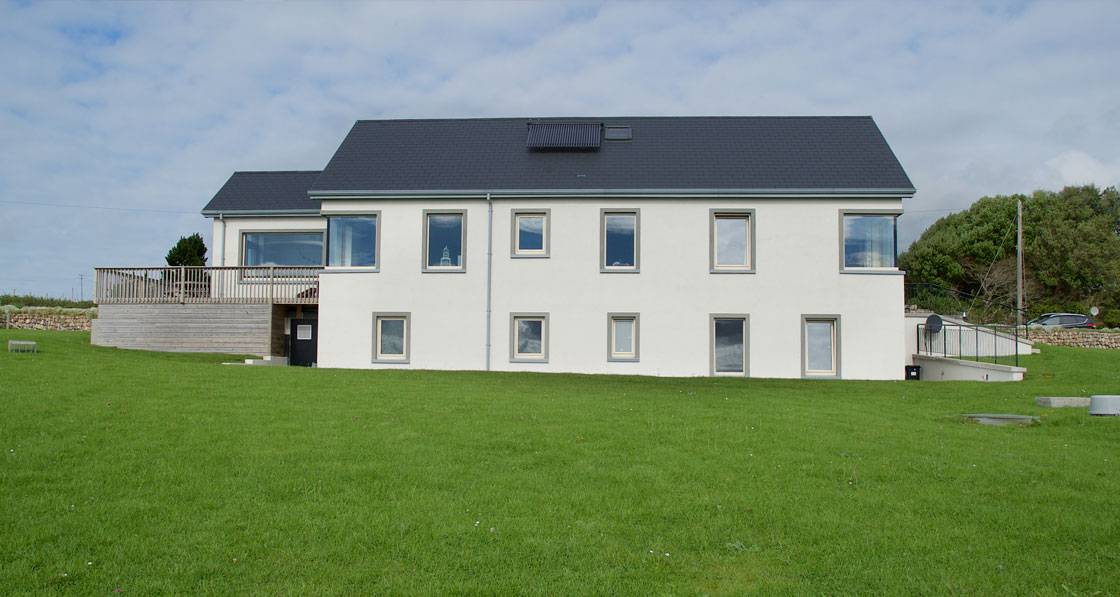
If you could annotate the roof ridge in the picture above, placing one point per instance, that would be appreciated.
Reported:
(534, 118)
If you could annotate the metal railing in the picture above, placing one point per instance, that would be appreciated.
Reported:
(992, 343)
(201, 285)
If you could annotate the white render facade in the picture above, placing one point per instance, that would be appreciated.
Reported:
(795, 272)
(695, 246)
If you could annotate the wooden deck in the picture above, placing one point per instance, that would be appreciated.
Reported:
(265, 285)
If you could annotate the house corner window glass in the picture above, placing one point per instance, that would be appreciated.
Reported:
(870, 240)
(390, 337)
(731, 241)
(352, 241)
(623, 337)
(530, 337)
(283, 248)
(620, 241)
(729, 345)
(444, 241)
(820, 347)
(530, 234)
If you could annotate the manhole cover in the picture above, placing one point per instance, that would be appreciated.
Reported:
(1000, 419)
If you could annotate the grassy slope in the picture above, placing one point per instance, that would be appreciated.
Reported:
(171, 473)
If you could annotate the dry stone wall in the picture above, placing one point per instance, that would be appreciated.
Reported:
(1079, 337)
(46, 318)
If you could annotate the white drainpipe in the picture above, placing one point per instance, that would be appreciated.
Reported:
(222, 244)
(489, 269)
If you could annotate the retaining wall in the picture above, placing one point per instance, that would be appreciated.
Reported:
(1078, 337)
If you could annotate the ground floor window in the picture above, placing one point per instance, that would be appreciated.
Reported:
(820, 352)
(622, 337)
(529, 337)
(391, 337)
(729, 344)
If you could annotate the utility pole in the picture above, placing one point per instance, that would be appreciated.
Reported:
(1019, 263)
(81, 287)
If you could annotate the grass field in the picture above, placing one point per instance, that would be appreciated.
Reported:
(158, 473)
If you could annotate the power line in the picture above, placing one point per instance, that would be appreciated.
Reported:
(75, 206)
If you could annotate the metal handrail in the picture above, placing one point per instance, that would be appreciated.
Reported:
(207, 285)
(984, 341)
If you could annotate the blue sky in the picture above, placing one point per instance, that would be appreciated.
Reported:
(133, 115)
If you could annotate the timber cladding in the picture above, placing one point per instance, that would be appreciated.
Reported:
(234, 329)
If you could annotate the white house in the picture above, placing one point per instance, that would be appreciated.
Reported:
(739, 246)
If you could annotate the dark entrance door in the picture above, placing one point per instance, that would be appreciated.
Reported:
(304, 341)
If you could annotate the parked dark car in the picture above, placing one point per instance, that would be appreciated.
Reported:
(1062, 320)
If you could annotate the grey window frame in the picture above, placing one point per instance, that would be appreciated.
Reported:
(603, 213)
(515, 251)
(321, 231)
(424, 267)
(836, 351)
(746, 318)
(546, 337)
(376, 355)
(713, 267)
(612, 357)
(889, 271)
(376, 267)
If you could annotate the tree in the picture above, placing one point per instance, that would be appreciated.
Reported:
(190, 250)
(1071, 250)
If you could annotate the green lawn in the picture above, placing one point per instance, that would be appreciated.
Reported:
(160, 473)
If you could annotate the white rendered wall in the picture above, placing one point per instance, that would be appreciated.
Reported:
(797, 262)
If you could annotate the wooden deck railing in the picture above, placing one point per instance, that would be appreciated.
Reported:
(197, 285)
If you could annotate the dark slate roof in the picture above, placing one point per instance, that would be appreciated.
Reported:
(687, 154)
(282, 191)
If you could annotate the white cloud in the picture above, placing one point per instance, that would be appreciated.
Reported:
(1077, 167)
(154, 105)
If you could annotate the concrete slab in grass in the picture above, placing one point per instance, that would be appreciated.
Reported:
(1062, 401)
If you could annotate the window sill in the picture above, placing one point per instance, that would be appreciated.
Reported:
(723, 270)
(390, 361)
(886, 271)
(825, 376)
(528, 360)
(606, 270)
(431, 270)
(623, 360)
(528, 256)
(340, 269)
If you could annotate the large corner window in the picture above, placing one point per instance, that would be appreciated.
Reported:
(622, 336)
(619, 241)
(729, 344)
(528, 337)
(445, 240)
(352, 241)
(820, 336)
(732, 236)
(293, 249)
(869, 240)
(530, 233)
(390, 337)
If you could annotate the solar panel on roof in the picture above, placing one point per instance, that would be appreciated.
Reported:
(572, 136)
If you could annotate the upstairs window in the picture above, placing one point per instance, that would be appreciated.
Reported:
(732, 236)
(869, 241)
(445, 235)
(296, 249)
(530, 233)
(619, 241)
(352, 241)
